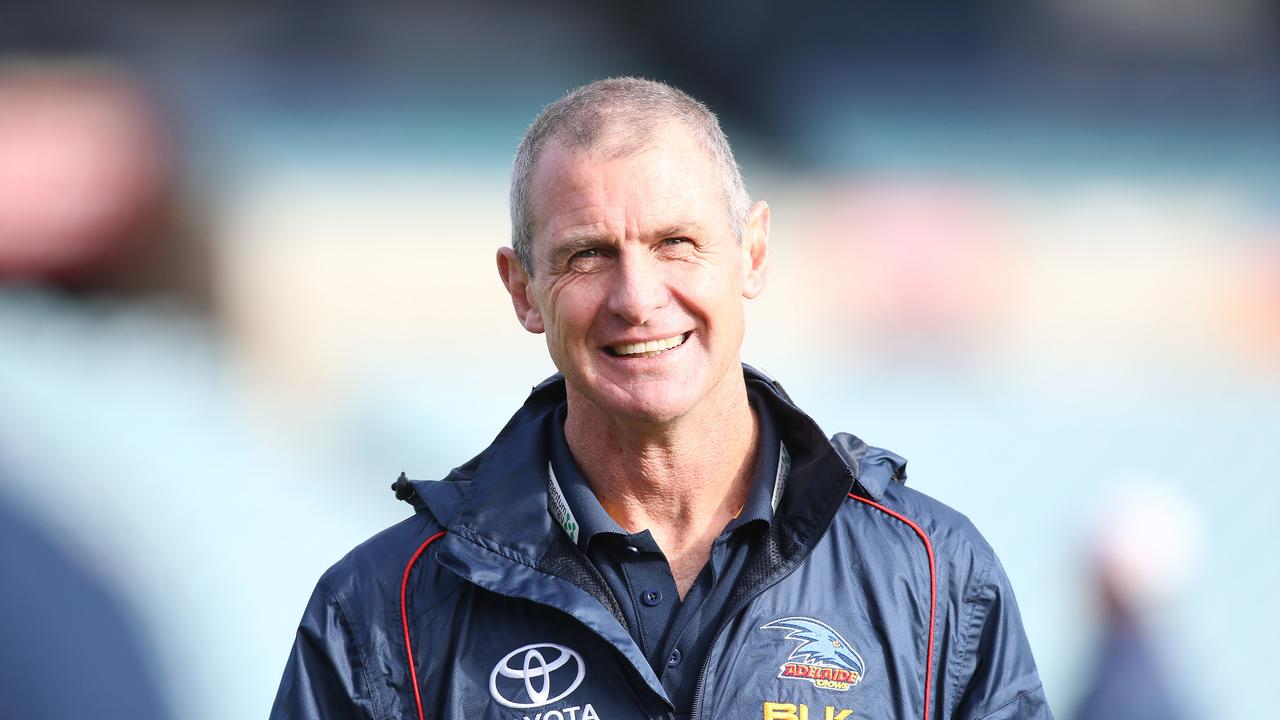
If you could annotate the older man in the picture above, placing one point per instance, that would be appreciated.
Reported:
(658, 532)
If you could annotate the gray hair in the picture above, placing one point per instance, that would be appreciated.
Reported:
(625, 112)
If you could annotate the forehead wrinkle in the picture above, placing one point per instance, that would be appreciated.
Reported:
(588, 218)
(682, 208)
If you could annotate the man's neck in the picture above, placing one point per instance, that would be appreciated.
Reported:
(683, 481)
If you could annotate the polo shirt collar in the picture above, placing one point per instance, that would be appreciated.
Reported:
(571, 501)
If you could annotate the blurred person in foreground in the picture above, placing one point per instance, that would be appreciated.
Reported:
(69, 650)
(659, 531)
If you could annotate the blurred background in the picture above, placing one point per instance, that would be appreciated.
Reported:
(246, 278)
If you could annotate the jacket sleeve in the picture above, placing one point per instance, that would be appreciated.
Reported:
(325, 676)
(1003, 682)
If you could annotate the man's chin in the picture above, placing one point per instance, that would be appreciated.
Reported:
(655, 402)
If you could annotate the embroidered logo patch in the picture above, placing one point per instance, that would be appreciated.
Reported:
(559, 507)
(536, 675)
(821, 655)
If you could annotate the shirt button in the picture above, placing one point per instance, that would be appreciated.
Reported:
(651, 597)
(632, 550)
(674, 660)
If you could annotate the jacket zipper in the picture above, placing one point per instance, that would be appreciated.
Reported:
(706, 664)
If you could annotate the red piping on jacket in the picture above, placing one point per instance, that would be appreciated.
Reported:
(404, 618)
(933, 603)
(933, 591)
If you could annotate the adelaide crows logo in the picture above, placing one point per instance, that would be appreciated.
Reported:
(822, 656)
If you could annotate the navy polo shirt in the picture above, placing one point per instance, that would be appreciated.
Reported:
(674, 635)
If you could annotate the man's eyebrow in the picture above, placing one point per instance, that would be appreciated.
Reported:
(578, 238)
(572, 242)
(676, 230)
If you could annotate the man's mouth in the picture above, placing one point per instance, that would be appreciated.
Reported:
(648, 349)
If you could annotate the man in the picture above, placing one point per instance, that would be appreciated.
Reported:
(659, 532)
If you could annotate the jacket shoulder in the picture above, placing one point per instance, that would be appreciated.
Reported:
(950, 531)
(990, 670)
(375, 565)
(333, 669)
(881, 482)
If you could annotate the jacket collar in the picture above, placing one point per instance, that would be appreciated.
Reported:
(506, 503)
(509, 472)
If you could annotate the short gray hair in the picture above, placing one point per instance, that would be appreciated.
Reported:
(625, 112)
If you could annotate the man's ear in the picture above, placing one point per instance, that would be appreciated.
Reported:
(517, 283)
(755, 250)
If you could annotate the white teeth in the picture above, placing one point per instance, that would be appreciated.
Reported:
(650, 348)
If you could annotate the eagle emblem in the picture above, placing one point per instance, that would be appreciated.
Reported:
(821, 656)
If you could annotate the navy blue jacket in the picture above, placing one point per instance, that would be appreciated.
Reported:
(865, 599)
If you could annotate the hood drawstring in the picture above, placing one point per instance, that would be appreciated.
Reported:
(402, 486)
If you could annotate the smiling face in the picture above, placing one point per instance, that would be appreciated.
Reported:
(638, 279)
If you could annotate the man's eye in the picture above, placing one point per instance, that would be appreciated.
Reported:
(588, 259)
(675, 240)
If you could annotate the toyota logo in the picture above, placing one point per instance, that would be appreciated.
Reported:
(542, 667)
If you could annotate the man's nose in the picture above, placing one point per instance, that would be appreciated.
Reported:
(639, 288)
